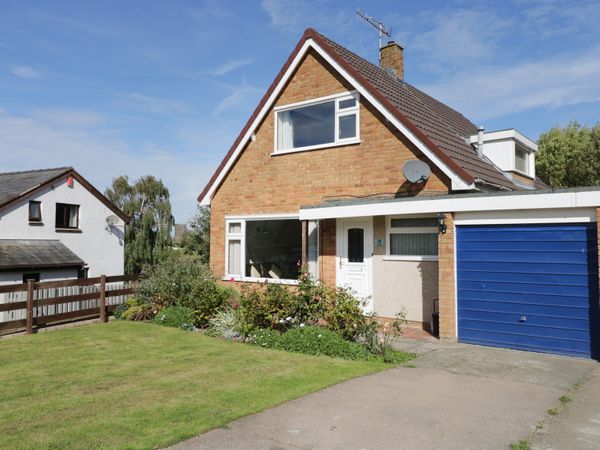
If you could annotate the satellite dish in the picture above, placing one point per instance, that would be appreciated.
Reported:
(112, 220)
(416, 171)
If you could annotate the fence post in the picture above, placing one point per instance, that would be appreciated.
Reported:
(102, 298)
(29, 316)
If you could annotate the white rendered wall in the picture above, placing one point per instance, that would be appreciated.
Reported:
(102, 250)
(45, 275)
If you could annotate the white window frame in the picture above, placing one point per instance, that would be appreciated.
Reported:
(338, 114)
(242, 238)
(389, 230)
(529, 161)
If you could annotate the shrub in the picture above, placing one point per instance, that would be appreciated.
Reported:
(181, 280)
(176, 317)
(134, 309)
(224, 324)
(266, 306)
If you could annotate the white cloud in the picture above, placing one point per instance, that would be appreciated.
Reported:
(25, 72)
(227, 67)
(240, 96)
(154, 105)
(493, 92)
(31, 142)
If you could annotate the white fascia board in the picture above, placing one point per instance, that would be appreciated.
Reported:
(571, 215)
(479, 203)
(457, 182)
(502, 135)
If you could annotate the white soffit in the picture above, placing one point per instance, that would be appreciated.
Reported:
(552, 201)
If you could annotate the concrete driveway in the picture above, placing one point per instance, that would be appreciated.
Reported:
(454, 397)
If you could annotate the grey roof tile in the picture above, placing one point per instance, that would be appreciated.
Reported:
(36, 253)
(15, 184)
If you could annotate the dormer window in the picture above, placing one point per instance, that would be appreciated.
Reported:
(522, 160)
(325, 122)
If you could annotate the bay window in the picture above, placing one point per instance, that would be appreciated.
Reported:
(412, 238)
(321, 123)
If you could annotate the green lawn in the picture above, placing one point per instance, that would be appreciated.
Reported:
(135, 385)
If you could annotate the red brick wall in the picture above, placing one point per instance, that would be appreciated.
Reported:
(263, 184)
(447, 292)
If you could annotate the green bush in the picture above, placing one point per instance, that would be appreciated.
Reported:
(181, 280)
(134, 309)
(224, 324)
(176, 317)
(282, 307)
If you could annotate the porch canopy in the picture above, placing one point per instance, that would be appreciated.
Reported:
(518, 201)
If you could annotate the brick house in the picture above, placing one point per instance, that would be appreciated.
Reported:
(375, 185)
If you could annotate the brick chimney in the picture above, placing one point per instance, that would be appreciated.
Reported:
(391, 59)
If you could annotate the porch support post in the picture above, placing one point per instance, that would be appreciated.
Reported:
(447, 280)
(304, 243)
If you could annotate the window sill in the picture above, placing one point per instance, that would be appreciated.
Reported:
(523, 174)
(410, 258)
(316, 147)
(238, 279)
(34, 223)
(67, 230)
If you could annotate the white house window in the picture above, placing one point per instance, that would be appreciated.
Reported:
(67, 216)
(317, 124)
(522, 160)
(412, 238)
(263, 249)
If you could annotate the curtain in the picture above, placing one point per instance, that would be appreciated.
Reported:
(285, 138)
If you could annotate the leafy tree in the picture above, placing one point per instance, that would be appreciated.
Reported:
(197, 239)
(570, 156)
(148, 234)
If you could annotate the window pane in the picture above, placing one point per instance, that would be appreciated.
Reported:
(67, 216)
(347, 126)
(35, 211)
(313, 249)
(350, 103)
(521, 160)
(309, 125)
(234, 257)
(415, 244)
(235, 228)
(427, 222)
(356, 245)
(273, 248)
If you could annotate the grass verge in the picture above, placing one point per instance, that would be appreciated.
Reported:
(135, 385)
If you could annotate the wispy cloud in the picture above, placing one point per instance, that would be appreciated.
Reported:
(102, 156)
(155, 105)
(227, 67)
(68, 118)
(240, 96)
(492, 92)
(26, 72)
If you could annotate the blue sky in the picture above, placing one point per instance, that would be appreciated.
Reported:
(163, 88)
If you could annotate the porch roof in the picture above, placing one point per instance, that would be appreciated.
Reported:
(580, 197)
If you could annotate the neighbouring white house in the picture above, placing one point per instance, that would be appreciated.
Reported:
(55, 225)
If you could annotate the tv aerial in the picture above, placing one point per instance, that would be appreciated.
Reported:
(416, 171)
(377, 24)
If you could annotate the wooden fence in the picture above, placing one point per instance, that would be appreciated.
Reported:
(34, 305)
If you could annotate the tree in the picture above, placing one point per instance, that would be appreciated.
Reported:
(148, 234)
(197, 240)
(569, 156)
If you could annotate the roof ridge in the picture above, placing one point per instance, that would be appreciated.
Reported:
(65, 168)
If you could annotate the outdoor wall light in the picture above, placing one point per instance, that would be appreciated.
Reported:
(441, 218)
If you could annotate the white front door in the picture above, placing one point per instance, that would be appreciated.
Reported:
(355, 257)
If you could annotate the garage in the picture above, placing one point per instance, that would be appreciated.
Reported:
(529, 287)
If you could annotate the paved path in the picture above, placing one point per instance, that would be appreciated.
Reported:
(577, 426)
(456, 397)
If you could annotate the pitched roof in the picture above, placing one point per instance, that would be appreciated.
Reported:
(15, 185)
(442, 129)
(36, 254)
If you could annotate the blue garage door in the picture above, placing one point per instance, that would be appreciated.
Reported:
(529, 287)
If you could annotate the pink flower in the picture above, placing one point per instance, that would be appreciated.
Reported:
(232, 280)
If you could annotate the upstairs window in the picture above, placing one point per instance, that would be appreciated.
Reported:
(67, 216)
(522, 160)
(35, 211)
(317, 124)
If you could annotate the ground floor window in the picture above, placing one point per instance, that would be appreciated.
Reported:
(263, 248)
(413, 237)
